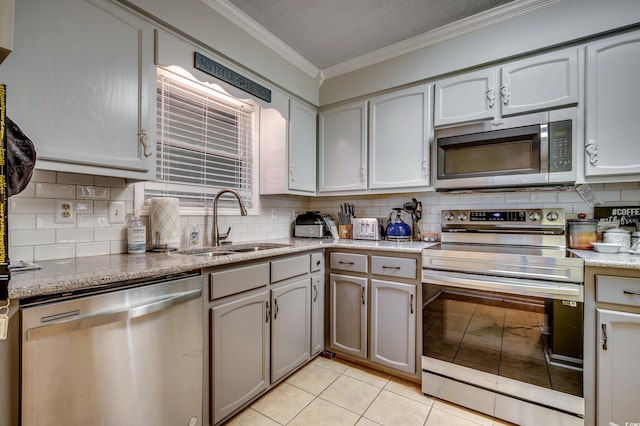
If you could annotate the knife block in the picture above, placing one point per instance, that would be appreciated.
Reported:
(345, 231)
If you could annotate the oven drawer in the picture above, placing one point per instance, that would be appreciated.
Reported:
(394, 266)
(349, 262)
(619, 290)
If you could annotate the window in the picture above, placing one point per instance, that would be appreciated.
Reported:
(204, 144)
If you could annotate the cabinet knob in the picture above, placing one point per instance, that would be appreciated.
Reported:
(505, 91)
(144, 140)
(491, 97)
(592, 151)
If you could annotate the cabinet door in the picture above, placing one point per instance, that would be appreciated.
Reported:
(541, 82)
(618, 375)
(290, 326)
(302, 147)
(348, 314)
(81, 85)
(342, 150)
(613, 90)
(317, 313)
(240, 352)
(393, 325)
(399, 130)
(468, 97)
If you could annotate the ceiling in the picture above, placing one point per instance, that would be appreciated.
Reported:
(335, 36)
(327, 32)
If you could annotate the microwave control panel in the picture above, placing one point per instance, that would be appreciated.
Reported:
(560, 141)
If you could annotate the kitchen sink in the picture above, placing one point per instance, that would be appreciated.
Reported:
(226, 250)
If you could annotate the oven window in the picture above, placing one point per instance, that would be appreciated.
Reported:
(504, 336)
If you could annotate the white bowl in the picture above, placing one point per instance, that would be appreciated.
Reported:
(607, 247)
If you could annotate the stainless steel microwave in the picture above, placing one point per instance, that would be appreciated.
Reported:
(533, 150)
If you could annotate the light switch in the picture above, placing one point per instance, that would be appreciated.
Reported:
(116, 212)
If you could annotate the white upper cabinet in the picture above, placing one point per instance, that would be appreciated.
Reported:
(377, 145)
(612, 147)
(466, 97)
(342, 150)
(302, 147)
(541, 82)
(288, 149)
(399, 131)
(81, 85)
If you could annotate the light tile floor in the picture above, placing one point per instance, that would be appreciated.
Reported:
(337, 392)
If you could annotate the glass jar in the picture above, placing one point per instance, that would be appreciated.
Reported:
(582, 232)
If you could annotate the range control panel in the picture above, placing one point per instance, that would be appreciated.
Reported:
(504, 217)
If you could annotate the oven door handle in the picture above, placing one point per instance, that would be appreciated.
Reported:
(546, 289)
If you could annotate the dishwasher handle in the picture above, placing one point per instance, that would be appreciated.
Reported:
(90, 321)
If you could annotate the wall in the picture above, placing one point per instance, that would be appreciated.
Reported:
(35, 236)
(433, 202)
(561, 22)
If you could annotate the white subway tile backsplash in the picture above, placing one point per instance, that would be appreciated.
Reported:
(122, 194)
(67, 236)
(110, 234)
(84, 207)
(32, 237)
(92, 221)
(90, 192)
(22, 221)
(632, 195)
(43, 176)
(52, 190)
(54, 252)
(47, 221)
(21, 253)
(30, 205)
(112, 182)
(93, 249)
(74, 178)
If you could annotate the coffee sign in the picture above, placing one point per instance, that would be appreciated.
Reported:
(627, 216)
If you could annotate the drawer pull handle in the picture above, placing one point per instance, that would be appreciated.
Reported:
(363, 302)
(411, 304)
(275, 314)
(345, 263)
(315, 293)
(390, 267)
(604, 336)
(268, 312)
(635, 293)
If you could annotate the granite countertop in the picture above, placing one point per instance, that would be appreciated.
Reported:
(609, 260)
(84, 272)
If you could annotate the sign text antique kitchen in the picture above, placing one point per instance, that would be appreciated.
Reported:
(225, 74)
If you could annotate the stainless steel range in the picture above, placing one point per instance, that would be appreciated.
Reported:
(503, 316)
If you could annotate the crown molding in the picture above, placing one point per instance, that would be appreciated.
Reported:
(244, 21)
(473, 23)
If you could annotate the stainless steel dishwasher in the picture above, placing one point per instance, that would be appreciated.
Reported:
(112, 357)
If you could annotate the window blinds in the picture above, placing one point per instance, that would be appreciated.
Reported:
(204, 143)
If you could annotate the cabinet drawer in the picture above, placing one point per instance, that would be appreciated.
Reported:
(349, 262)
(236, 280)
(620, 290)
(317, 261)
(289, 267)
(394, 266)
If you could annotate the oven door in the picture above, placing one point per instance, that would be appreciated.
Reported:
(508, 347)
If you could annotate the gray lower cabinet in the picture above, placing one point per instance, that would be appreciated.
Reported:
(348, 310)
(371, 318)
(317, 313)
(240, 352)
(290, 326)
(260, 327)
(393, 325)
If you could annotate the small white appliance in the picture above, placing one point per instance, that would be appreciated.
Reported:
(366, 229)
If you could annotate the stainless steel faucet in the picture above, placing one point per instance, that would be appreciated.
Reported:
(216, 237)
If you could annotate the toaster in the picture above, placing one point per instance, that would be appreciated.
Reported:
(366, 229)
(314, 224)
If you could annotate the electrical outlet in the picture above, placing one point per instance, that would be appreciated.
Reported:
(116, 212)
(64, 211)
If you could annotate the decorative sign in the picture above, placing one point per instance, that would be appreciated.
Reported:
(627, 216)
(217, 70)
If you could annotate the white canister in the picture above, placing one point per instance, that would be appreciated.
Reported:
(618, 236)
(635, 240)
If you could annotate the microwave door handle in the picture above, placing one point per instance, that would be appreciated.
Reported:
(90, 321)
(504, 285)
